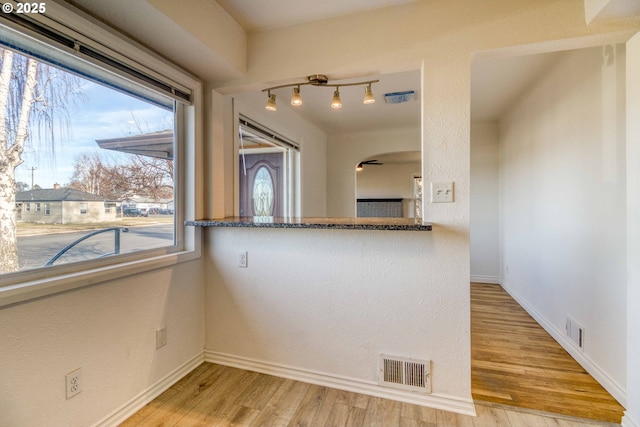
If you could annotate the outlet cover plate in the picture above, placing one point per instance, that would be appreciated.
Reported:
(442, 192)
(161, 337)
(243, 259)
(73, 381)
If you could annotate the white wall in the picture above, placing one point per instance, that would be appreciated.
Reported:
(392, 180)
(108, 330)
(563, 212)
(323, 304)
(345, 151)
(485, 246)
(632, 416)
(440, 37)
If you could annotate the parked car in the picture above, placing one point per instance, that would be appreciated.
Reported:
(135, 212)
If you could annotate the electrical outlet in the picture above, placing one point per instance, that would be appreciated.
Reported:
(161, 337)
(242, 260)
(74, 383)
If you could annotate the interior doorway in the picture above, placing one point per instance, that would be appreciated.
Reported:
(526, 234)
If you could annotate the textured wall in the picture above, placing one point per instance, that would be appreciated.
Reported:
(330, 301)
(108, 330)
(485, 223)
(440, 37)
(563, 203)
(632, 416)
(391, 180)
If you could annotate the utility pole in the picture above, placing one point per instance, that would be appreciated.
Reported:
(32, 169)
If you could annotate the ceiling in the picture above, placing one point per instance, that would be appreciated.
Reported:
(495, 82)
(255, 15)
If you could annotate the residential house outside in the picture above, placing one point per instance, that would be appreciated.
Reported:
(158, 145)
(148, 205)
(62, 205)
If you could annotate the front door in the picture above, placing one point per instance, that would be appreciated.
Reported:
(262, 185)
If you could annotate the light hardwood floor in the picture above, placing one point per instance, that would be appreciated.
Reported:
(516, 362)
(215, 395)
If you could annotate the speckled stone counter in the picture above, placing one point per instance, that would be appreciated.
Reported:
(399, 224)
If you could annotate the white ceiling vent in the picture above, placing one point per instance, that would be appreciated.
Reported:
(405, 373)
(399, 97)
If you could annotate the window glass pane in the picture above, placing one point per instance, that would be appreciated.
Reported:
(97, 164)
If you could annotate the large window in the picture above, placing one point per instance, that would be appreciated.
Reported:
(104, 143)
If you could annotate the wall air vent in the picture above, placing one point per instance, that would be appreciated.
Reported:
(405, 373)
(575, 332)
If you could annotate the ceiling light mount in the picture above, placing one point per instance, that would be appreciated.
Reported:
(319, 80)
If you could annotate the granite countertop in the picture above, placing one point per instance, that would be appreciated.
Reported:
(401, 224)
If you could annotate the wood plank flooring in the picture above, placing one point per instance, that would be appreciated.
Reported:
(215, 395)
(516, 362)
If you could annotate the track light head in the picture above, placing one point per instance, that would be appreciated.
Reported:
(359, 167)
(271, 103)
(296, 99)
(336, 102)
(368, 95)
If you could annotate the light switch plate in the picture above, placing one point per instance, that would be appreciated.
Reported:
(441, 192)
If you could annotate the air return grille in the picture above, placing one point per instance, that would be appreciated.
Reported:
(404, 373)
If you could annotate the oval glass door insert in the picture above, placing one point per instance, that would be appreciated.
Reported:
(263, 193)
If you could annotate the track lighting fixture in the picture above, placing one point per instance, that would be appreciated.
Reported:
(319, 80)
(368, 95)
(359, 167)
(271, 103)
(295, 98)
(336, 102)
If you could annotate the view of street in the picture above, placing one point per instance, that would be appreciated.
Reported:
(36, 249)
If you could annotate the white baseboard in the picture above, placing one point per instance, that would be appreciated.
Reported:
(628, 422)
(492, 280)
(138, 402)
(444, 402)
(589, 365)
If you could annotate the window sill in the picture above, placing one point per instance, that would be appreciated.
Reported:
(38, 288)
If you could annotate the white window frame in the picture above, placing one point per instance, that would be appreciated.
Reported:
(25, 285)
